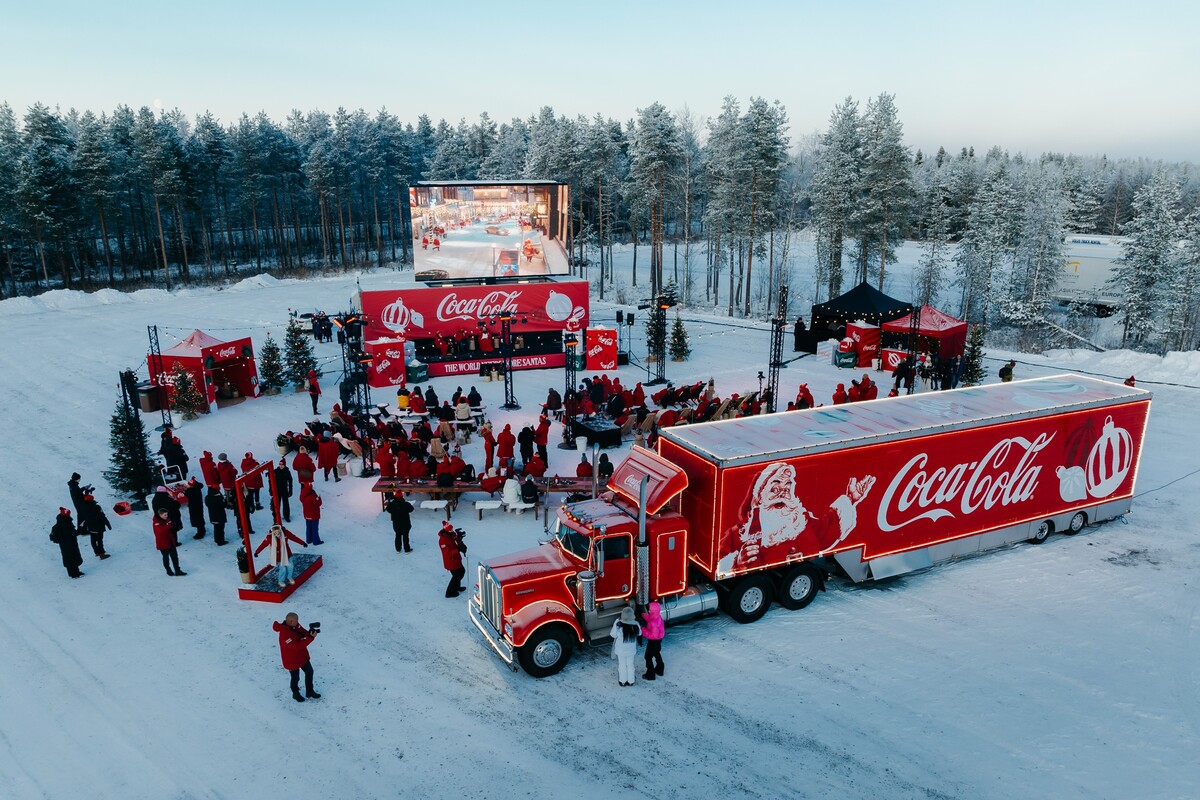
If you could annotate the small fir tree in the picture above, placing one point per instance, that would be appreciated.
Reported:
(680, 349)
(656, 331)
(187, 398)
(272, 376)
(129, 470)
(298, 354)
(973, 372)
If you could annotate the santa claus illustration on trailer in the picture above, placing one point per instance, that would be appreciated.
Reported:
(777, 526)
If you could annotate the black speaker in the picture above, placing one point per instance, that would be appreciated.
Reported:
(629, 318)
(620, 317)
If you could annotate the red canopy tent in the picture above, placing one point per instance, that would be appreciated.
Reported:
(937, 332)
(220, 367)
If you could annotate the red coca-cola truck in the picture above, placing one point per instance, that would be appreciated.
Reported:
(739, 513)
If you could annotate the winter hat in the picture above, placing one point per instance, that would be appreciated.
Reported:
(653, 609)
(222, 457)
(161, 490)
(207, 454)
(64, 512)
(627, 615)
(249, 455)
(283, 462)
(75, 476)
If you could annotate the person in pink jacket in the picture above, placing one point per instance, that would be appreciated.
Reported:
(653, 631)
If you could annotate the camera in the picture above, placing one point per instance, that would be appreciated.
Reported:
(89, 489)
(314, 628)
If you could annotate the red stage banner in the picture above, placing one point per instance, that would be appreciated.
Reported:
(893, 358)
(438, 369)
(601, 344)
(866, 341)
(425, 312)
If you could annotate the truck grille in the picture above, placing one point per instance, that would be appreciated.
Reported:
(490, 600)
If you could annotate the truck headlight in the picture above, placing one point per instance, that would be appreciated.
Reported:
(508, 630)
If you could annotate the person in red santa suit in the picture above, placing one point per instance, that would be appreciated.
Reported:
(227, 473)
(541, 438)
(777, 526)
(506, 443)
(327, 457)
(208, 468)
(304, 466)
(839, 395)
(385, 460)
(451, 543)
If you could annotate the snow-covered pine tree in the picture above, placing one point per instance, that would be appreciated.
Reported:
(656, 330)
(129, 471)
(680, 349)
(1038, 257)
(986, 241)
(1152, 261)
(297, 354)
(655, 154)
(883, 210)
(270, 362)
(835, 185)
(764, 126)
(186, 398)
(973, 370)
(931, 269)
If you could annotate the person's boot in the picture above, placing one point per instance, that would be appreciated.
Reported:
(179, 573)
(171, 573)
(102, 556)
(648, 676)
(659, 669)
(297, 697)
(199, 535)
(312, 694)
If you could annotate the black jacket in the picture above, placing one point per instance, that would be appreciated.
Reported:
(195, 498)
(66, 537)
(283, 481)
(215, 502)
(399, 509)
(92, 518)
(76, 493)
(163, 500)
(529, 492)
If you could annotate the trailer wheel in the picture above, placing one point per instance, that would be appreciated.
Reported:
(1077, 523)
(799, 586)
(748, 599)
(547, 651)
(1042, 533)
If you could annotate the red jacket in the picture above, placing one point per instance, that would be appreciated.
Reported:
(227, 472)
(536, 467)
(541, 434)
(505, 443)
(839, 395)
(293, 645)
(583, 470)
(327, 454)
(416, 404)
(209, 469)
(313, 386)
(256, 481)
(164, 534)
(457, 465)
(304, 466)
(452, 549)
(417, 468)
(283, 551)
(311, 501)
(386, 461)
(400, 467)
(444, 467)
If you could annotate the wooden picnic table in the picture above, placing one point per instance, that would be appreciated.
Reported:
(551, 485)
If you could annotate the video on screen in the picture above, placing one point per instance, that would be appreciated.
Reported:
(488, 230)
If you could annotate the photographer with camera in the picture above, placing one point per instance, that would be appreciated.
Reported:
(450, 540)
(294, 640)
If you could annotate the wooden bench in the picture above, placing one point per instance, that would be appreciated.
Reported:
(437, 505)
(486, 505)
(520, 507)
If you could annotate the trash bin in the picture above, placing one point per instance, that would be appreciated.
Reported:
(416, 372)
(148, 396)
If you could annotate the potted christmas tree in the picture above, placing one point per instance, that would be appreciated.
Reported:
(271, 361)
(243, 565)
(298, 355)
(187, 399)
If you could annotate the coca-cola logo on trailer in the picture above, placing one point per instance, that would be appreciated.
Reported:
(1007, 474)
(451, 307)
(226, 352)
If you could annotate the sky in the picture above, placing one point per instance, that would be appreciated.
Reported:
(1089, 78)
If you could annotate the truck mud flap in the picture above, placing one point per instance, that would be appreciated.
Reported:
(900, 563)
(852, 564)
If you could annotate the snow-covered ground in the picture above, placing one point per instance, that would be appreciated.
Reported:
(1067, 670)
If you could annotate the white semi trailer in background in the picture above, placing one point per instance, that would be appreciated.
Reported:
(1089, 264)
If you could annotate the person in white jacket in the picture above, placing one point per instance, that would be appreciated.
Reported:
(280, 552)
(624, 645)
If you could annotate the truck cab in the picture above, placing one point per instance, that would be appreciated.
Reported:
(624, 547)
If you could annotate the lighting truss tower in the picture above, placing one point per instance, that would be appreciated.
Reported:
(778, 326)
(156, 367)
(570, 381)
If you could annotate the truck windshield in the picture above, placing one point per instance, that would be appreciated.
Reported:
(572, 542)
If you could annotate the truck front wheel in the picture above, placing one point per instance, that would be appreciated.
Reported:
(748, 599)
(547, 651)
(799, 586)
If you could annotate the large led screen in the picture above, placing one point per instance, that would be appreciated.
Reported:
(488, 230)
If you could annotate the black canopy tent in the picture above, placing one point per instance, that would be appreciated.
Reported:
(863, 302)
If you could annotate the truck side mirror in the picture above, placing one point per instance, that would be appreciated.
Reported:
(598, 549)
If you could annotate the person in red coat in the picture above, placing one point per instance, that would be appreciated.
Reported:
(489, 445)
(254, 483)
(536, 466)
(541, 436)
(457, 465)
(417, 469)
(416, 403)
(311, 502)
(855, 392)
(584, 468)
(453, 548)
(385, 460)
(294, 640)
(164, 542)
(505, 443)
(804, 398)
(314, 389)
(304, 466)
(639, 394)
(208, 468)
(327, 457)
(402, 462)
(839, 395)
(870, 389)
(227, 473)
